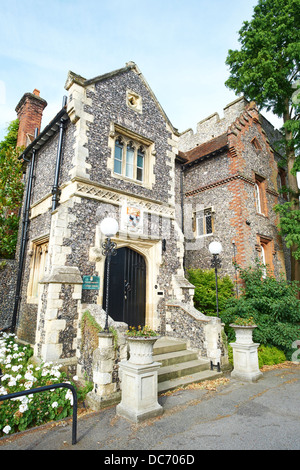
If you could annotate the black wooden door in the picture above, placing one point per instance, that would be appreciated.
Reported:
(127, 287)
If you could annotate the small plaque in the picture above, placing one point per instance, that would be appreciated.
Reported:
(91, 282)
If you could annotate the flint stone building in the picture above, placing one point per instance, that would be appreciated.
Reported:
(112, 151)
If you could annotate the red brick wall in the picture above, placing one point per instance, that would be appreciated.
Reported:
(29, 110)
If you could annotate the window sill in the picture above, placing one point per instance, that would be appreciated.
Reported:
(262, 215)
(205, 235)
(129, 180)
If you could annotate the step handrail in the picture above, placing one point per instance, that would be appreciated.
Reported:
(51, 387)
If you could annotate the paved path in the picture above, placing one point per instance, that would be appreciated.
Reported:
(237, 416)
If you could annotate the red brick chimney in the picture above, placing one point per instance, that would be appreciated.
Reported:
(29, 110)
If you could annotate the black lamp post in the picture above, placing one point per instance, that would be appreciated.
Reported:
(109, 228)
(215, 249)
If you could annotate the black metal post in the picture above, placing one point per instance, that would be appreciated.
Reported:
(55, 188)
(50, 387)
(216, 263)
(25, 223)
(109, 250)
(217, 296)
(235, 268)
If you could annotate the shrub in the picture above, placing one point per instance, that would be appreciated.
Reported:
(274, 306)
(205, 290)
(267, 355)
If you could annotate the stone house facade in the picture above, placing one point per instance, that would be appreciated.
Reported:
(112, 151)
(230, 178)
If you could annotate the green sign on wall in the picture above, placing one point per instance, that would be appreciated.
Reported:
(91, 282)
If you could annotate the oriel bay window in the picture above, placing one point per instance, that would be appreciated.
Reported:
(129, 159)
(133, 156)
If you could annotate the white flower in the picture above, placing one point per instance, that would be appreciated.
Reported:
(15, 368)
(12, 382)
(29, 376)
(23, 408)
(54, 404)
(56, 374)
(6, 429)
(75, 378)
(69, 396)
(28, 385)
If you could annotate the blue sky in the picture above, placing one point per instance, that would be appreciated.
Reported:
(179, 46)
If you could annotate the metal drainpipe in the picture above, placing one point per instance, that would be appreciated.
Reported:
(25, 223)
(55, 188)
(182, 206)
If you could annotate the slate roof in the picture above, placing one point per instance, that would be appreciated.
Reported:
(210, 148)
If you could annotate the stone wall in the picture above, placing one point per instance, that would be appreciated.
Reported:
(212, 126)
(8, 279)
(108, 106)
(203, 333)
(226, 183)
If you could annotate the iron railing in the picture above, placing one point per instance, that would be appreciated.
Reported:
(51, 387)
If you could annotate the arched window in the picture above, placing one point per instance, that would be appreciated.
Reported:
(133, 156)
(118, 162)
(263, 260)
(260, 195)
(257, 198)
(130, 160)
(140, 164)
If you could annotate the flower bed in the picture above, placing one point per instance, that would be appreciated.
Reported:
(18, 374)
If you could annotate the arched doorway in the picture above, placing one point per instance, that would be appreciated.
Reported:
(127, 287)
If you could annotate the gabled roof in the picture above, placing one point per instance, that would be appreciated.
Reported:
(72, 77)
(208, 149)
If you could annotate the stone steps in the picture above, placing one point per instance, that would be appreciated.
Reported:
(179, 366)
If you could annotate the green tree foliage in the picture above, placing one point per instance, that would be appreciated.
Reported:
(266, 69)
(205, 290)
(11, 191)
(289, 226)
(267, 64)
(272, 303)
